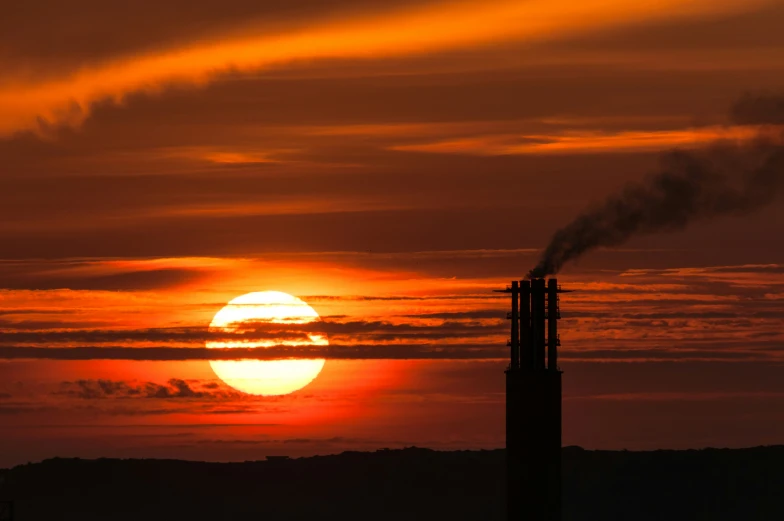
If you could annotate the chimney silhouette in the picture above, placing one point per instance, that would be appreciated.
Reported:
(533, 403)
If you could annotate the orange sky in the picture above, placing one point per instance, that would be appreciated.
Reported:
(412, 31)
(391, 167)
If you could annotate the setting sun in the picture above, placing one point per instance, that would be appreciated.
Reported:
(258, 377)
(535, 240)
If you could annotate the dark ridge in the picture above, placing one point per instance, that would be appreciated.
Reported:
(411, 484)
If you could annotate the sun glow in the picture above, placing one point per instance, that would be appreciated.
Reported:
(267, 378)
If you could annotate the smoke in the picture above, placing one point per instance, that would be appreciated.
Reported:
(723, 179)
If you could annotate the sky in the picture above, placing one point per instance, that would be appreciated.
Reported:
(391, 164)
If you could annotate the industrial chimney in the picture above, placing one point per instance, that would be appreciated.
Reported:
(533, 403)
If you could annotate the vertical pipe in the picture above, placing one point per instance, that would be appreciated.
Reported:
(534, 330)
(538, 320)
(552, 325)
(515, 343)
(513, 416)
(526, 351)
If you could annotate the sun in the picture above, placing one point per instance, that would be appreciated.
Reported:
(259, 377)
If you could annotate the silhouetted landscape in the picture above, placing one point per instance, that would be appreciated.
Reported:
(413, 483)
(234, 230)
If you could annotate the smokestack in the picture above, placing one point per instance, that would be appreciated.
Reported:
(533, 404)
(526, 349)
(538, 322)
(515, 406)
(514, 343)
(553, 314)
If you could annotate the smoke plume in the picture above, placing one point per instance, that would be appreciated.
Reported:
(723, 179)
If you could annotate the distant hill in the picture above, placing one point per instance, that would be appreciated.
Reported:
(408, 484)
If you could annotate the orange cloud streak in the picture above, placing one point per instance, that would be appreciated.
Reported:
(443, 26)
(583, 142)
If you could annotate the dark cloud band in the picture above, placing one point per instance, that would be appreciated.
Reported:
(466, 351)
(368, 352)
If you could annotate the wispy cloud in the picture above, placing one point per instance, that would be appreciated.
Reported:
(175, 388)
(711, 312)
(582, 142)
(353, 352)
(67, 99)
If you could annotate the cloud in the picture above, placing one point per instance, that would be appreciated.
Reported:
(258, 331)
(759, 109)
(402, 298)
(129, 281)
(668, 396)
(767, 349)
(680, 354)
(91, 30)
(477, 314)
(67, 99)
(117, 389)
(14, 409)
(353, 352)
(107, 274)
(582, 142)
